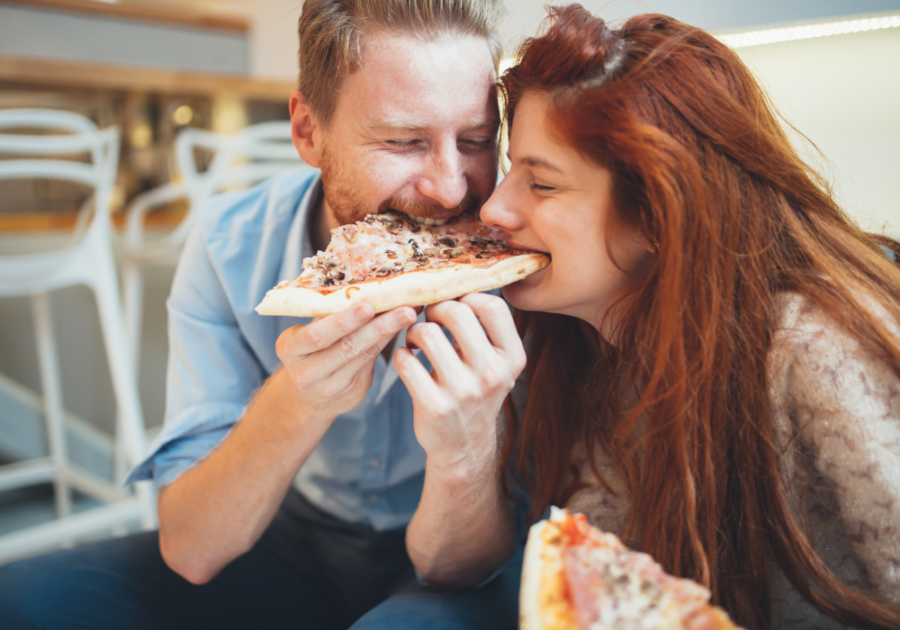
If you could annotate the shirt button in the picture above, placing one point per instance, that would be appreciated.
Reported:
(375, 463)
(373, 498)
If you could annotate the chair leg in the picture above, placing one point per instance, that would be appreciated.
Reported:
(134, 304)
(130, 422)
(53, 405)
(133, 289)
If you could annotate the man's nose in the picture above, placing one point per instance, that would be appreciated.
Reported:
(444, 181)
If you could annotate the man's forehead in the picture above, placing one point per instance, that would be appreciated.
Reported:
(404, 81)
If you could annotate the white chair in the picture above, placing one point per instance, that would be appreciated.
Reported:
(244, 159)
(89, 261)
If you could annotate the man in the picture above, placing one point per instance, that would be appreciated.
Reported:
(295, 516)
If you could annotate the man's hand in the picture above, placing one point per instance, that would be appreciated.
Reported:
(462, 530)
(218, 509)
(331, 361)
(457, 405)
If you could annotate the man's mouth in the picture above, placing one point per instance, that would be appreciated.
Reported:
(430, 214)
(427, 222)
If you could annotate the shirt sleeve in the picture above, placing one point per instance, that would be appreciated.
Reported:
(846, 410)
(212, 372)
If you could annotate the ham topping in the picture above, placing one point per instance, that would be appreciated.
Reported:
(384, 245)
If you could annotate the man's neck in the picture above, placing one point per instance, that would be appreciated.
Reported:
(321, 224)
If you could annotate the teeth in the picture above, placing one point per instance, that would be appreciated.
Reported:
(429, 222)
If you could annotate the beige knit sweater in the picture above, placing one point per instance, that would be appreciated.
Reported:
(837, 416)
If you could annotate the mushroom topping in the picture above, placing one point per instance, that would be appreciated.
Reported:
(449, 241)
(391, 254)
(430, 252)
(453, 253)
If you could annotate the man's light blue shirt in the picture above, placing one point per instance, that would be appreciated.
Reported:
(368, 468)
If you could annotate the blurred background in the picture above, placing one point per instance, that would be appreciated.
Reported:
(156, 68)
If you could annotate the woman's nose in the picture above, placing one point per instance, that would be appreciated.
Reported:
(500, 211)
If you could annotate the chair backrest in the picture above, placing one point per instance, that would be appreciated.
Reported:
(72, 135)
(244, 159)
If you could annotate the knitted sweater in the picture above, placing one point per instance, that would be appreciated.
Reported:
(837, 421)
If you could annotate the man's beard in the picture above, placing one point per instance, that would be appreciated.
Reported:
(348, 204)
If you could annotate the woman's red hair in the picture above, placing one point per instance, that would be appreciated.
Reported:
(701, 167)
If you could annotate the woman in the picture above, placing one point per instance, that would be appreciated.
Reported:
(714, 356)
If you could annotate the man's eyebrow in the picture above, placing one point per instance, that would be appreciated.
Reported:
(395, 125)
(536, 162)
(409, 125)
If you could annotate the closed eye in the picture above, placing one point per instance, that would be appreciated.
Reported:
(402, 144)
(480, 144)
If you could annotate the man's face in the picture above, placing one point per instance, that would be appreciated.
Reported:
(415, 130)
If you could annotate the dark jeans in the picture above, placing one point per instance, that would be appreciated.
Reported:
(309, 570)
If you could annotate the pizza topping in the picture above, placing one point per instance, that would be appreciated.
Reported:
(612, 586)
(387, 244)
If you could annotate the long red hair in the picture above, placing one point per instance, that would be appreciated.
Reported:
(702, 168)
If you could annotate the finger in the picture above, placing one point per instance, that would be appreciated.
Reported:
(496, 320)
(418, 380)
(300, 341)
(434, 343)
(468, 335)
(363, 345)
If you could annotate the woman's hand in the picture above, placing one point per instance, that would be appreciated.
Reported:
(457, 405)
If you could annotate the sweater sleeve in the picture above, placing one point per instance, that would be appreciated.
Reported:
(845, 408)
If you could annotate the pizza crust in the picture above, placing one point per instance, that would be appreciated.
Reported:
(413, 288)
(542, 593)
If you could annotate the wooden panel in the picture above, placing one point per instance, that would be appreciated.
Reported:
(141, 11)
(57, 74)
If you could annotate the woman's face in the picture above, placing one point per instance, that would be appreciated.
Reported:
(555, 201)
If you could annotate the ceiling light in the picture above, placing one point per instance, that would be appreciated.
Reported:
(793, 33)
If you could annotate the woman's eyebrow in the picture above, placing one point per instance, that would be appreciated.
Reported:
(530, 160)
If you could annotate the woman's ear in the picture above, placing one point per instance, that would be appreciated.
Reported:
(304, 125)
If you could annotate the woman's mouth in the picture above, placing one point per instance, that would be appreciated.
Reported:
(525, 248)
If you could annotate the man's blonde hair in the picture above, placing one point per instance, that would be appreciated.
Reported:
(331, 34)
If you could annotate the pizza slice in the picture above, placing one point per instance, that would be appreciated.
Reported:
(389, 260)
(576, 577)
